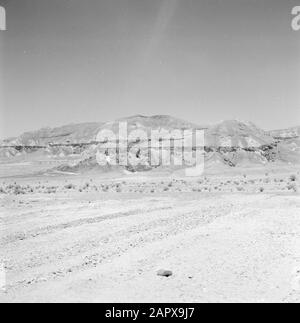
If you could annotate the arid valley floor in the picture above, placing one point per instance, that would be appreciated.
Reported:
(228, 236)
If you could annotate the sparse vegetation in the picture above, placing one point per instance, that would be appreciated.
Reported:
(70, 187)
(19, 190)
(292, 187)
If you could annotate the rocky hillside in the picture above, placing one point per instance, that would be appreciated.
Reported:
(289, 133)
(229, 143)
(86, 132)
(234, 133)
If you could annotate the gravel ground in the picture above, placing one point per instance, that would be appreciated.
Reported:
(108, 248)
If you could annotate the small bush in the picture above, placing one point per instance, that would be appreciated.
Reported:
(292, 187)
(51, 190)
(70, 186)
(261, 189)
(19, 190)
(105, 188)
(293, 178)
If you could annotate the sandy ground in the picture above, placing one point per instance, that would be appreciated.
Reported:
(222, 246)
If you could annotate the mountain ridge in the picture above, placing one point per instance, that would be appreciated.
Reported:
(86, 132)
(229, 142)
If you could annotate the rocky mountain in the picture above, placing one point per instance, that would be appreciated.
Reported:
(234, 133)
(87, 132)
(69, 134)
(290, 133)
(229, 143)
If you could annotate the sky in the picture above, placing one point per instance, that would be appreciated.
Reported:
(72, 61)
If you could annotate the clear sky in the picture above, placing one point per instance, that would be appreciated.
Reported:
(69, 61)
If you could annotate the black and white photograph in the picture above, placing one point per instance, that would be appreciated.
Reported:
(149, 154)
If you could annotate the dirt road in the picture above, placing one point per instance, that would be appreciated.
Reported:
(220, 247)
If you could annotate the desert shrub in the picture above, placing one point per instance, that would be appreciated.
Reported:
(105, 188)
(293, 178)
(86, 186)
(292, 187)
(166, 189)
(18, 190)
(261, 189)
(70, 186)
(240, 189)
(2, 191)
(51, 190)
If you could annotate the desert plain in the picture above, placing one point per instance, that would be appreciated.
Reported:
(226, 236)
(72, 231)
